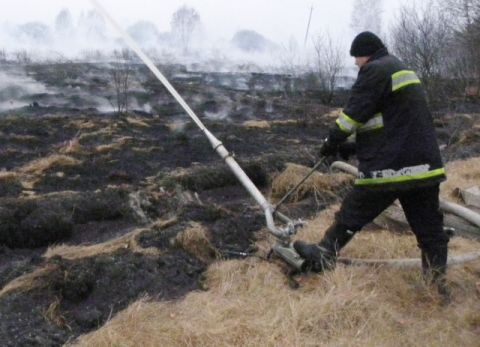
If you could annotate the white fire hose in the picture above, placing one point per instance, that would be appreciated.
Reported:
(282, 233)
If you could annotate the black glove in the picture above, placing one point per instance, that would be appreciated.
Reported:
(328, 149)
(347, 149)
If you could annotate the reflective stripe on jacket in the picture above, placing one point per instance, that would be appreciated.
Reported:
(395, 136)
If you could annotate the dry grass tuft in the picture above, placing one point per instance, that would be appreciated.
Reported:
(461, 174)
(29, 281)
(333, 114)
(9, 177)
(263, 124)
(116, 145)
(286, 122)
(83, 124)
(29, 174)
(195, 241)
(318, 183)
(127, 241)
(54, 315)
(135, 121)
(177, 125)
(25, 138)
(73, 147)
(39, 166)
(256, 124)
(100, 130)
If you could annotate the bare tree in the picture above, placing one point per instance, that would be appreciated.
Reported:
(420, 38)
(367, 15)
(93, 25)
(3, 55)
(463, 12)
(64, 23)
(22, 56)
(292, 66)
(122, 73)
(290, 58)
(184, 23)
(464, 61)
(92, 55)
(329, 62)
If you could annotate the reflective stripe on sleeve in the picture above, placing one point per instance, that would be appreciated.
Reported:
(404, 78)
(347, 124)
(375, 123)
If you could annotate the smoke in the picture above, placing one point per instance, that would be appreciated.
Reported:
(222, 114)
(86, 37)
(19, 90)
(12, 104)
(15, 86)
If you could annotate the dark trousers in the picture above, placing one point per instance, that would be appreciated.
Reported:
(421, 206)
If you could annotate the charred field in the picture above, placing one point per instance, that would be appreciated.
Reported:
(99, 210)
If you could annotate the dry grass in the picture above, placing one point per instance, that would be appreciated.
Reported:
(25, 138)
(116, 145)
(30, 173)
(147, 150)
(54, 315)
(333, 114)
(177, 126)
(256, 124)
(39, 166)
(135, 121)
(105, 131)
(318, 183)
(250, 304)
(263, 124)
(84, 125)
(286, 122)
(461, 174)
(8, 177)
(195, 241)
(73, 147)
(29, 281)
(127, 241)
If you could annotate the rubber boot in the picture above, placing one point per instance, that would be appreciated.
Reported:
(323, 256)
(434, 268)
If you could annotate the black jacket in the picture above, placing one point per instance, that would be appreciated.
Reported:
(395, 136)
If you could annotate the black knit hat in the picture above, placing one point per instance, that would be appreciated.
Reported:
(365, 44)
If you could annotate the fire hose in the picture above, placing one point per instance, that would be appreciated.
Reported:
(282, 233)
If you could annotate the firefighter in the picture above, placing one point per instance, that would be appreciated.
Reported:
(398, 157)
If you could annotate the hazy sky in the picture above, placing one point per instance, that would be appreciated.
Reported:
(278, 20)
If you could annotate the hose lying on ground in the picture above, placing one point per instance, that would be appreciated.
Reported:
(445, 206)
(408, 262)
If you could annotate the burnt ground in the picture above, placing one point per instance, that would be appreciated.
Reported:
(105, 176)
